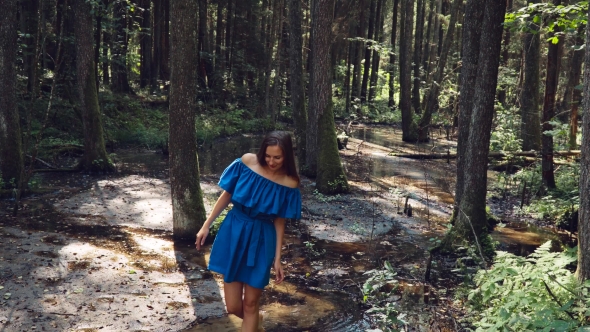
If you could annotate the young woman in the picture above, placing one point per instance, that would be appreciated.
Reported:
(263, 189)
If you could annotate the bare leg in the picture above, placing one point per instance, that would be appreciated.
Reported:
(233, 298)
(251, 306)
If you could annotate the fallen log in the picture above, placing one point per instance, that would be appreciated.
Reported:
(494, 154)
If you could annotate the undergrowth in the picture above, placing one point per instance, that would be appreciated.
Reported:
(536, 293)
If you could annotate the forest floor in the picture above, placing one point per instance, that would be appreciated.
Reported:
(96, 254)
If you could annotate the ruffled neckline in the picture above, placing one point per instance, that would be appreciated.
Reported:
(263, 177)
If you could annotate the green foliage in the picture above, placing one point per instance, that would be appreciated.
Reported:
(377, 292)
(309, 247)
(554, 203)
(537, 293)
(505, 136)
(549, 16)
(214, 229)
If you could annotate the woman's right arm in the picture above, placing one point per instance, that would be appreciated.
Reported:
(222, 202)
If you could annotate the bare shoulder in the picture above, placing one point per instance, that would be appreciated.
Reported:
(290, 182)
(249, 159)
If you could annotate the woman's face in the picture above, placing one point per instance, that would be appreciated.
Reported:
(274, 157)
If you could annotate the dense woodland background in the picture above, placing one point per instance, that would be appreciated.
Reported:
(501, 75)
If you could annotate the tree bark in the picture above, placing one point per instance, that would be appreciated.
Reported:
(409, 132)
(391, 69)
(432, 103)
(376, 56)
(529, 98)
(551, 81)
(356, 77)
(296, 79)
(572, 94)
(471, 219)
(145, 44)
(417, 56)
(120, 83)
(474, 10)
(11, 154)
(188, 211)
(369, 43)
(331, 178)
(95, 157)
(583, 269)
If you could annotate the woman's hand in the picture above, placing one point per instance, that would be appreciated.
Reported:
(279, 273)
(201, 237)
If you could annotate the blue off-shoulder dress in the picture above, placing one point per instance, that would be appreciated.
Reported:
(244, 248)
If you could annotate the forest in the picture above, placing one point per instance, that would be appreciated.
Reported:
(442, 144)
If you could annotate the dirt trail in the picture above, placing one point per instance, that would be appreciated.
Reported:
(97, 254)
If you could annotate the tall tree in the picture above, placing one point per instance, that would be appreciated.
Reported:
(376, 56)
(409, 131)
(417, 55)
(362, 26)
(296, 78)
(572, 94)
(474, 10)
(392, 54)
(95, 157)
(145, 45)
(471, 219)
(120, 82)
(583, 269)
(11, 155)
(330, 174)
(530, 128)
(188, 211)
(368, 49)
(433, 93)
(551, 81)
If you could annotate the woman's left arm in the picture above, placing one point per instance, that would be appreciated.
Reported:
(280, 229)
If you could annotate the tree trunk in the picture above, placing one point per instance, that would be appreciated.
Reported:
(551, 81)
(330, 174)
(296, 79)
(571, 98)
(583, 269)
(188, 211)
(228, 36)
(391, 69)
(11, 154)
(145, 44)
(356, 77)
(529, 98)
(95, 157)
(106, 43)
(376, 56)
(219, 57)
(202, 51)
(370, 36)
(425, 52)
(409, 132)
(432, 103)
(471, 219)
(474, 10)
(120, 82)
(30, 31)
(417, 56)
(505, 55)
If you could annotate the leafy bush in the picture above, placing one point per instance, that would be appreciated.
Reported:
(537, 293)
(505, 136)
(377, 291)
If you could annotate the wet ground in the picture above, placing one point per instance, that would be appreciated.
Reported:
(96, 254)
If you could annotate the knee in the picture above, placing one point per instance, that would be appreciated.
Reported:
(250, 306)
(233, 309)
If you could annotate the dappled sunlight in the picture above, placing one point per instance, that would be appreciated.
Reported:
(132, 200)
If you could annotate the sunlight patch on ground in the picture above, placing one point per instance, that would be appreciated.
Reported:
(132, 201)
(151, 245)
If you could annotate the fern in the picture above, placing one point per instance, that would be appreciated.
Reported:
(536, 293)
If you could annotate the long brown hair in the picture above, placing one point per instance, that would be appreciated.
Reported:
(283, 140)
